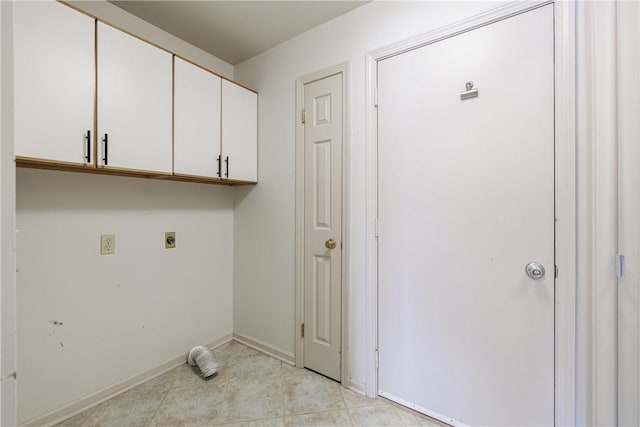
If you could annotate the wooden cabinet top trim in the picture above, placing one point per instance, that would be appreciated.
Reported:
(35, 163)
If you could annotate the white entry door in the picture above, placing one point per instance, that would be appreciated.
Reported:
(465, 202)
(323, 225)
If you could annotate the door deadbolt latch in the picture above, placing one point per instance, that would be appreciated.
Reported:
(535, 270)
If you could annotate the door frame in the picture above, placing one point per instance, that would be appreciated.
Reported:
(343, 69)
(565, 191)
(8, 346)
(628, 229)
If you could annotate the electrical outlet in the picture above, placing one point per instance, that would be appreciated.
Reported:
(170, 240)
(107, 244)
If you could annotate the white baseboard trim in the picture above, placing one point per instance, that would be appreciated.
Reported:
(74, 408)
(256, 344)
(357, 386)
(425, 411)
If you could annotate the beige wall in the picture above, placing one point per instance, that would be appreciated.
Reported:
(122, 314)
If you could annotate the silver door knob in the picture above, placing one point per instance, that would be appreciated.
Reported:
(535, 270)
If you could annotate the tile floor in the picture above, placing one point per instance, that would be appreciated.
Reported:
(250, 389)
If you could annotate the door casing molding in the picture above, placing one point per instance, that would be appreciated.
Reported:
(628, 317)
(565, 191)
(8, 345)
(343, 69)
(598, 121)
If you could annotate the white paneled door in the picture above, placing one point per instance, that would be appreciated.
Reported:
(465, 203)
(323, 225)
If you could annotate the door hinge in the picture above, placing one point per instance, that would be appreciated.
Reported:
(620, 265)
(304, 116)
(375, 97)
(302, 330)
(377, 228)
(555, 271)
(377, 358)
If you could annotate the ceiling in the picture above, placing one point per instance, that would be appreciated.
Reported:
(236, 30)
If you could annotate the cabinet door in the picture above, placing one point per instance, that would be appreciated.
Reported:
(134, 102)
(196, 120)
(54, 81)
(239, 132)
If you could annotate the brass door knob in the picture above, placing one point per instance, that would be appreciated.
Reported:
(330, 244)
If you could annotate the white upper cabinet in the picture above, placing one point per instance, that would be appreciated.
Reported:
(88, 95)
(54, 82)
(134, 103)
(239, 132)
(196, 120)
